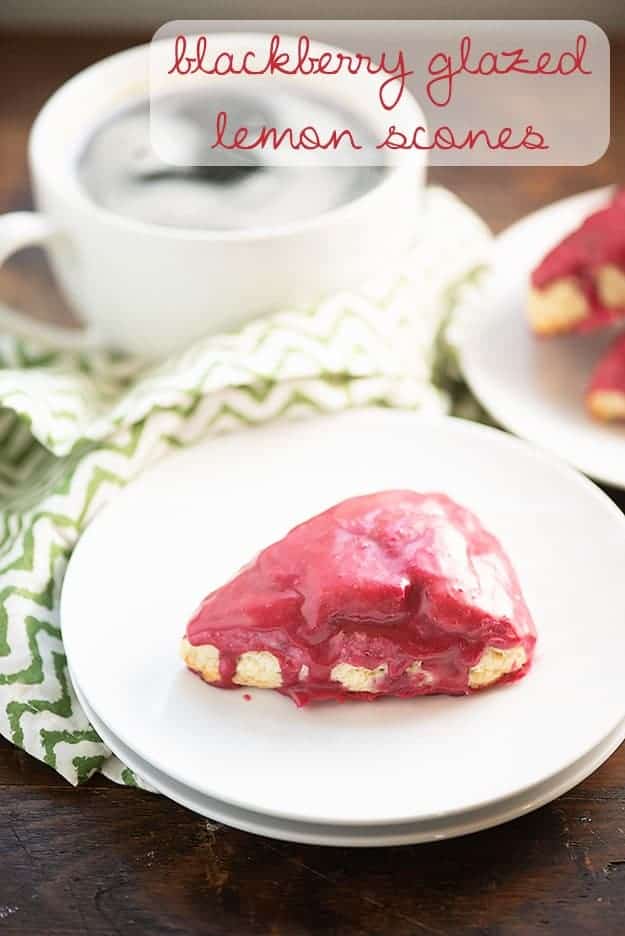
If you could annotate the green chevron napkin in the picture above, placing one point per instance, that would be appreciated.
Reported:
(75, 427)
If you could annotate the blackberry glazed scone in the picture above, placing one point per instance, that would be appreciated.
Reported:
(605, 397)
(580, 285)
(394, 593)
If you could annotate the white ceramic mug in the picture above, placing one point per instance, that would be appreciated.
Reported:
(149, 289)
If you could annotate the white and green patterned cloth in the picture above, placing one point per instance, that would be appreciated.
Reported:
(75, 427)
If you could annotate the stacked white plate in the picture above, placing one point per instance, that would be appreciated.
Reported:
(390, 772)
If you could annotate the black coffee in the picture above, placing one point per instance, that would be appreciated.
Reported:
(120, 171)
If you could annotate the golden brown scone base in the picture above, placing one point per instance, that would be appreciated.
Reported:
(495, 663)
(557, 308)
(610, 282)
(203, 660)
(560, 306)
(606, 405)
(260, 669)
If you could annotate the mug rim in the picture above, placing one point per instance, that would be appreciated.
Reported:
(71, 188)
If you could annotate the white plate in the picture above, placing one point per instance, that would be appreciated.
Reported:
(357, 836)
(185, 526)
(535, 387)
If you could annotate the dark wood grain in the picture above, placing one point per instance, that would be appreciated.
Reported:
(105, 860)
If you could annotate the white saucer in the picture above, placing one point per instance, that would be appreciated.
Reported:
(186, 525)
(535, 387)
(363, 836)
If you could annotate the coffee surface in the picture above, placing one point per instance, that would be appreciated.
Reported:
(120, 171)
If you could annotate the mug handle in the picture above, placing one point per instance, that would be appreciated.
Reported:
(25, 229)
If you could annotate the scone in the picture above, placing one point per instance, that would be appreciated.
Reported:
(394, 593)
(605, 396)
(580, 284)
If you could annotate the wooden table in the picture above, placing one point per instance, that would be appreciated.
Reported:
(106, 860)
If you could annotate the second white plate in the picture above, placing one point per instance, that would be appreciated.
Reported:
(186, 525)
(535, 387)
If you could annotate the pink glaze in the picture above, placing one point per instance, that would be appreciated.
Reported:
(609, 373)
(390, 578)
(598, 241)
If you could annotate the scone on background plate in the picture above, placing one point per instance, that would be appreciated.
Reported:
(580, 284)
(394, 593)
(605, 396)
